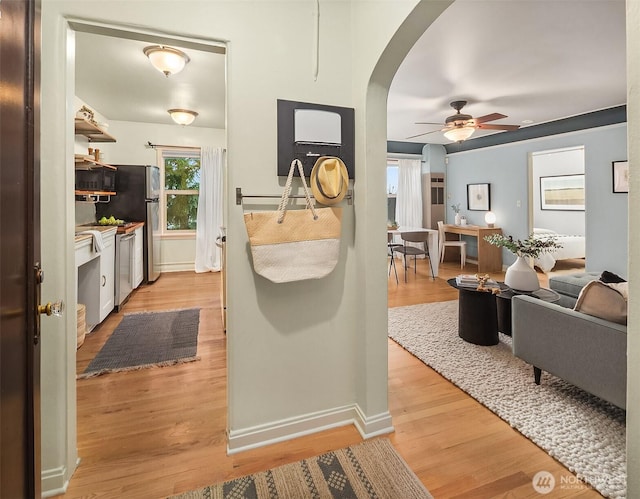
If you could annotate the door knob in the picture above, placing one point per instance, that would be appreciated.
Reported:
(55, 308)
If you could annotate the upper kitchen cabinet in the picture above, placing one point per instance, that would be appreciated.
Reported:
(92, 132)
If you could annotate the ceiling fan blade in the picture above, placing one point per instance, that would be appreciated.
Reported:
(489, 117)
(498, 127)
(421, 134)
(427, 123)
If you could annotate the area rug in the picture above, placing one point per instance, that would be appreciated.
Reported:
(148, 339)
(370, 469)
(583, 432)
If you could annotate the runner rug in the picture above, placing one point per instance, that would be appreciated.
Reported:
(366, 470)
(583, 432)
(148, 339)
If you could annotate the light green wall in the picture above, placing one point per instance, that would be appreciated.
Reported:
(299, 348)
(633, 147)
(300, 355)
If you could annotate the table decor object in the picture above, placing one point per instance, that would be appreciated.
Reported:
(520, 275)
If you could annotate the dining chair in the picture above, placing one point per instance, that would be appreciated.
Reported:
(409, 250)
(443, 244)
(390, 248)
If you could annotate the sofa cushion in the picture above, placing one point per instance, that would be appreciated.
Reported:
(603, 300)
(572, 284)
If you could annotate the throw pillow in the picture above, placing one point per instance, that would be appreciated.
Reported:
(606, 301)
(607, 276)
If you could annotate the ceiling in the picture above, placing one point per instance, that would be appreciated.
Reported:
(532, 60)
(115, 78)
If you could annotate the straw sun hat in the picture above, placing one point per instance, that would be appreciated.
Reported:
(329, 180)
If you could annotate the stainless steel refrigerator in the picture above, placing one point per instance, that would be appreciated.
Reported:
(137, 200)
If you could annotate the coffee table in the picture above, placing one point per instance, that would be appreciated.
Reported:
(477, 315)
(503, 304)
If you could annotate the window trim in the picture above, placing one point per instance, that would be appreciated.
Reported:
(161, 154)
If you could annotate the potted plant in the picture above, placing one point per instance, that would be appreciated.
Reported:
(456, 210)
(520, 275)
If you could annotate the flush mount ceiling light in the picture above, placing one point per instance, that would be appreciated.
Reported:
(459, 133)
(182, 116)
(167, 60)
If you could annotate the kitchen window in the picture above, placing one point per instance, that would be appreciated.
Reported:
(180, 184)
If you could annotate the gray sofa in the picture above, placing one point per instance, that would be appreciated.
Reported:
(569, 286)
(586, 351)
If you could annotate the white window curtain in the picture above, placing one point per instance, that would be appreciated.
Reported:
(409, 196)
(210, 206)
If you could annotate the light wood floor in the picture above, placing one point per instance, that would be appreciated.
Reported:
(157, 432)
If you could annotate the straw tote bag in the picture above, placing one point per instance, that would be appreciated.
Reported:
(294, 245)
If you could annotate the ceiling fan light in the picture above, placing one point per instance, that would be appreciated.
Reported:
(167, 60)
(459, 134)
(182, 116)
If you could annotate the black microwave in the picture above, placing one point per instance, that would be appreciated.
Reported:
(99, 179)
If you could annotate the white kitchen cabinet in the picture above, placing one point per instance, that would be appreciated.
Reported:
(107, 274)
(138, 257)
(95, 276)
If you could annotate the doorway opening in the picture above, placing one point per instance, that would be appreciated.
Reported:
(131, 101)
(557, 207)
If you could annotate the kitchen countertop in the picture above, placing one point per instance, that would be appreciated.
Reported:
(130, 227)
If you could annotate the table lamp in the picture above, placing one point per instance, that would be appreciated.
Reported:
(490, 218)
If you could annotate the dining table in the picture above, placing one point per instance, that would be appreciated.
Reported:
(432, 243)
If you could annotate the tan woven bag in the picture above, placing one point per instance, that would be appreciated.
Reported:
(294, 245)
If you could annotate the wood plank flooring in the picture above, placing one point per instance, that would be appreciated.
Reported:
(157, 432)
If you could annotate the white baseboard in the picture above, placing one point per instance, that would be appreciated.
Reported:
(55, 481)
(177, 267)
(287, 429)
(380, 424)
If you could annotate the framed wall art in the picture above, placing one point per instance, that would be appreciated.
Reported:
(562, 192)
(620, 176)
(478, 197)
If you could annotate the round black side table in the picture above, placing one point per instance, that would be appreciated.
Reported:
(504, 304)
(477, 315)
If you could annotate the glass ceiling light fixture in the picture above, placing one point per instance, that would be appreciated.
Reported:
(167, 60)
(182, 116)
(459, 133)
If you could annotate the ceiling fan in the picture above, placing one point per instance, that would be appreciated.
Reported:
(459, 127)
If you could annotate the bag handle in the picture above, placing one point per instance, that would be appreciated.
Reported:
(287, 191)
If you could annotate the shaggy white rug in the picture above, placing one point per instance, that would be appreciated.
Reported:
(583, 432)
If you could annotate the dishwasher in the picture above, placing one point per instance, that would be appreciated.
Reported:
(125, 244)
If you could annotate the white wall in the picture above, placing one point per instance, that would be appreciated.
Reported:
(133, 136)
(551, 164)
(177, 252)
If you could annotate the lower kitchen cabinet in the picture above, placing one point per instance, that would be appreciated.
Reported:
(138, 257)
(107, 275)
(95, 275)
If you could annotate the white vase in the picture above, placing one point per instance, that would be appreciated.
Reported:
(457, 219)
(521, 276)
